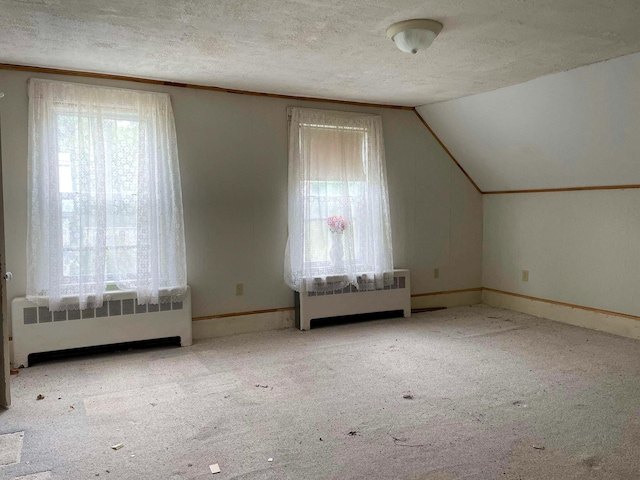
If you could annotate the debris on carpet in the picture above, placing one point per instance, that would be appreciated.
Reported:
(403, 442)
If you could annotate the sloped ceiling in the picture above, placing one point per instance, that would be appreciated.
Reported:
(572, 129)
(322, 48)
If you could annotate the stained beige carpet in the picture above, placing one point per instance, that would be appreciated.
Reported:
(473, 392)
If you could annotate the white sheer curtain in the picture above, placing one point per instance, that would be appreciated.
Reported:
(105, 202)
(339, 226)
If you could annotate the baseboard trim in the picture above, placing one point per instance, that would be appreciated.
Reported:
(241, 314)
(594, 318)
(244, 322)
(564, 304)
(221, 325)
(446, 292)
(448, 298)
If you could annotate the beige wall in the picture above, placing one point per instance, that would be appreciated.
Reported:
(580, 247)
(233, 163)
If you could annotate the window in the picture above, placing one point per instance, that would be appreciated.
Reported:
(105, 202)
(339, 228)
(78, 198)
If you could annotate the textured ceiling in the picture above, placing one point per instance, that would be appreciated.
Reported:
(322, 48)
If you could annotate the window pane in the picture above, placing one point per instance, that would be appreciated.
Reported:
(122, 190)
(80, 169)
(64, 161)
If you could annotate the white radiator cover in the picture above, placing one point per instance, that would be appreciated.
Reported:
(121, 319)
(350, 301)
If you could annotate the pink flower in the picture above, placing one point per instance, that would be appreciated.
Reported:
(336, 224)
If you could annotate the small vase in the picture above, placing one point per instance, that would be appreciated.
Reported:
(336, 251)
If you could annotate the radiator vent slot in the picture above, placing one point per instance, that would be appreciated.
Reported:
(398, 282)
(110, 308)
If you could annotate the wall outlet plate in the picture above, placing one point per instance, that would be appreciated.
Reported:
(525, 275)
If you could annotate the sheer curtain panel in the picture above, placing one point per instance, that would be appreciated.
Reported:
(105, 203)
(339, 225)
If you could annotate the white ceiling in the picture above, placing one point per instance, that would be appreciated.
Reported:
(572, 129)
(322, 48)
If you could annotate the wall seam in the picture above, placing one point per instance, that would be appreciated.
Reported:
(447, 151)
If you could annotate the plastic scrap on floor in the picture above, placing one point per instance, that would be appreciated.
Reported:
(40, 397)
(407, 396)
(538, 447)
(269, 459)
(215, 468)
(117, 446)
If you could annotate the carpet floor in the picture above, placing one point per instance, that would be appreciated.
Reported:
(462, 393)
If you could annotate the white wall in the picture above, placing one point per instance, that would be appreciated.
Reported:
(580, 247)
(571, 129)
(233, 162)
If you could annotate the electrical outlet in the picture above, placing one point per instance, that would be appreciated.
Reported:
(436, 273)
(239, 289)
(525, 275)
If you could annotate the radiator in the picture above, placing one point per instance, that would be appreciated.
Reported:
(119, 320)
(351, 301)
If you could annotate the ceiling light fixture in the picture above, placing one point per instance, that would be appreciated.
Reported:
(413, 35)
